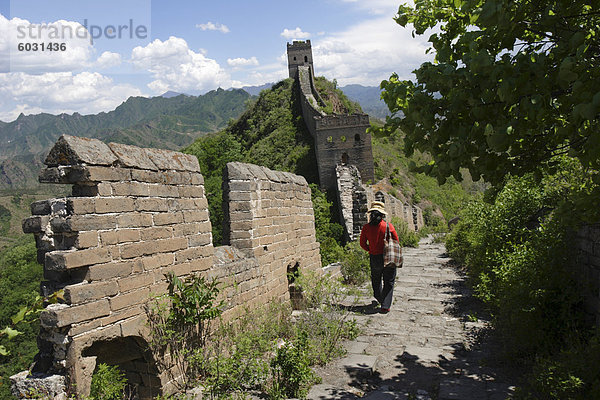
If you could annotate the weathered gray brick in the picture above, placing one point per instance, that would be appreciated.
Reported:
(134, 220)
(74, 314)
(62, 260)
(111, 270)
(35, 224)
(84, 292)
(114, 204)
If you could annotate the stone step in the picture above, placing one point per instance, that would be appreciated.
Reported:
(359, 364)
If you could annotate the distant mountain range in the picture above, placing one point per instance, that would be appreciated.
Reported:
(170, 121)
(369, 98)
(164, 122)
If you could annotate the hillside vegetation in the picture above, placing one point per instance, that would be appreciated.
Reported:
(272, 133)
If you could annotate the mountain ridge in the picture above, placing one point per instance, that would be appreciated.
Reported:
(169, 123)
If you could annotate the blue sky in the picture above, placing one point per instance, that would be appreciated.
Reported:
(186, 46)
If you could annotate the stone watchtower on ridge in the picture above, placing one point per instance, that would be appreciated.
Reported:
(340, 139)
(299, 53)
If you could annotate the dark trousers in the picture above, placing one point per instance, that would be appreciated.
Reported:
(383, 293)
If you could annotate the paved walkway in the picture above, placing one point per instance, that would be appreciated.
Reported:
(426, 348)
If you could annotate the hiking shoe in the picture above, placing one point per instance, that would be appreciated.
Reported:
(384, 310)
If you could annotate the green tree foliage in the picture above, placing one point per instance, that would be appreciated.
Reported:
(335, 100)
(108, 383)
(213, 153)
(391, 163)
(517, 247)
(5, 216)
(514, 84)
(273, 134)
(329, 234)
(20, 275)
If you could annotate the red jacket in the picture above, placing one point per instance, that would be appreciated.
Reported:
(372, 237)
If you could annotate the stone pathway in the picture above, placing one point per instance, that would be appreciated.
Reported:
(425, 348)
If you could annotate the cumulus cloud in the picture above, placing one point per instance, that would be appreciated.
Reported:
(77, 52)
(58, 92)
(209, 26)
(242, 62)
(369, 52)
(295, 34)
(175, 67)
(108, 59)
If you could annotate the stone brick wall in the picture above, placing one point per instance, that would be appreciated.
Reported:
(269, 214)
(135, 215)
(299, 54)
(338, 139)
(587, 267)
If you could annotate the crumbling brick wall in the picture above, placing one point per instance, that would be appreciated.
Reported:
(135, 215)
(338, 139)
(269, 214)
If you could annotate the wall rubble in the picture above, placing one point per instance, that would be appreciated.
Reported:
(135, 215)
(354, 198)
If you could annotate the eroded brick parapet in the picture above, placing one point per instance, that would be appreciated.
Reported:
(269, 214)
(135, 215)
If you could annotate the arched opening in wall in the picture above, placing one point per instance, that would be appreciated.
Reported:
(132, 356)
(345, 158)
(293, 271)
(357, 138)
(305, 59)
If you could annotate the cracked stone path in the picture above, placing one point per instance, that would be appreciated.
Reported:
(425, 348)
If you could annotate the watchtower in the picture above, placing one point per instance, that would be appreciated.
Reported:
(299, 53)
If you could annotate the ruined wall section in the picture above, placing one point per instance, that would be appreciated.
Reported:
(135, 215)
(587, 267)
(354, 198)
(343, 139)
(138, 214)
(269, 215)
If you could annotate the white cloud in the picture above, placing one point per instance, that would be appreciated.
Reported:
(369, 52)
(242, 62)
(295, 34)
(209, 26)
(175, 67)
(108, 59)
(58, 92)
(76, 54)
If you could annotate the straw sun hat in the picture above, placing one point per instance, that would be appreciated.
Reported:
(377, 206)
